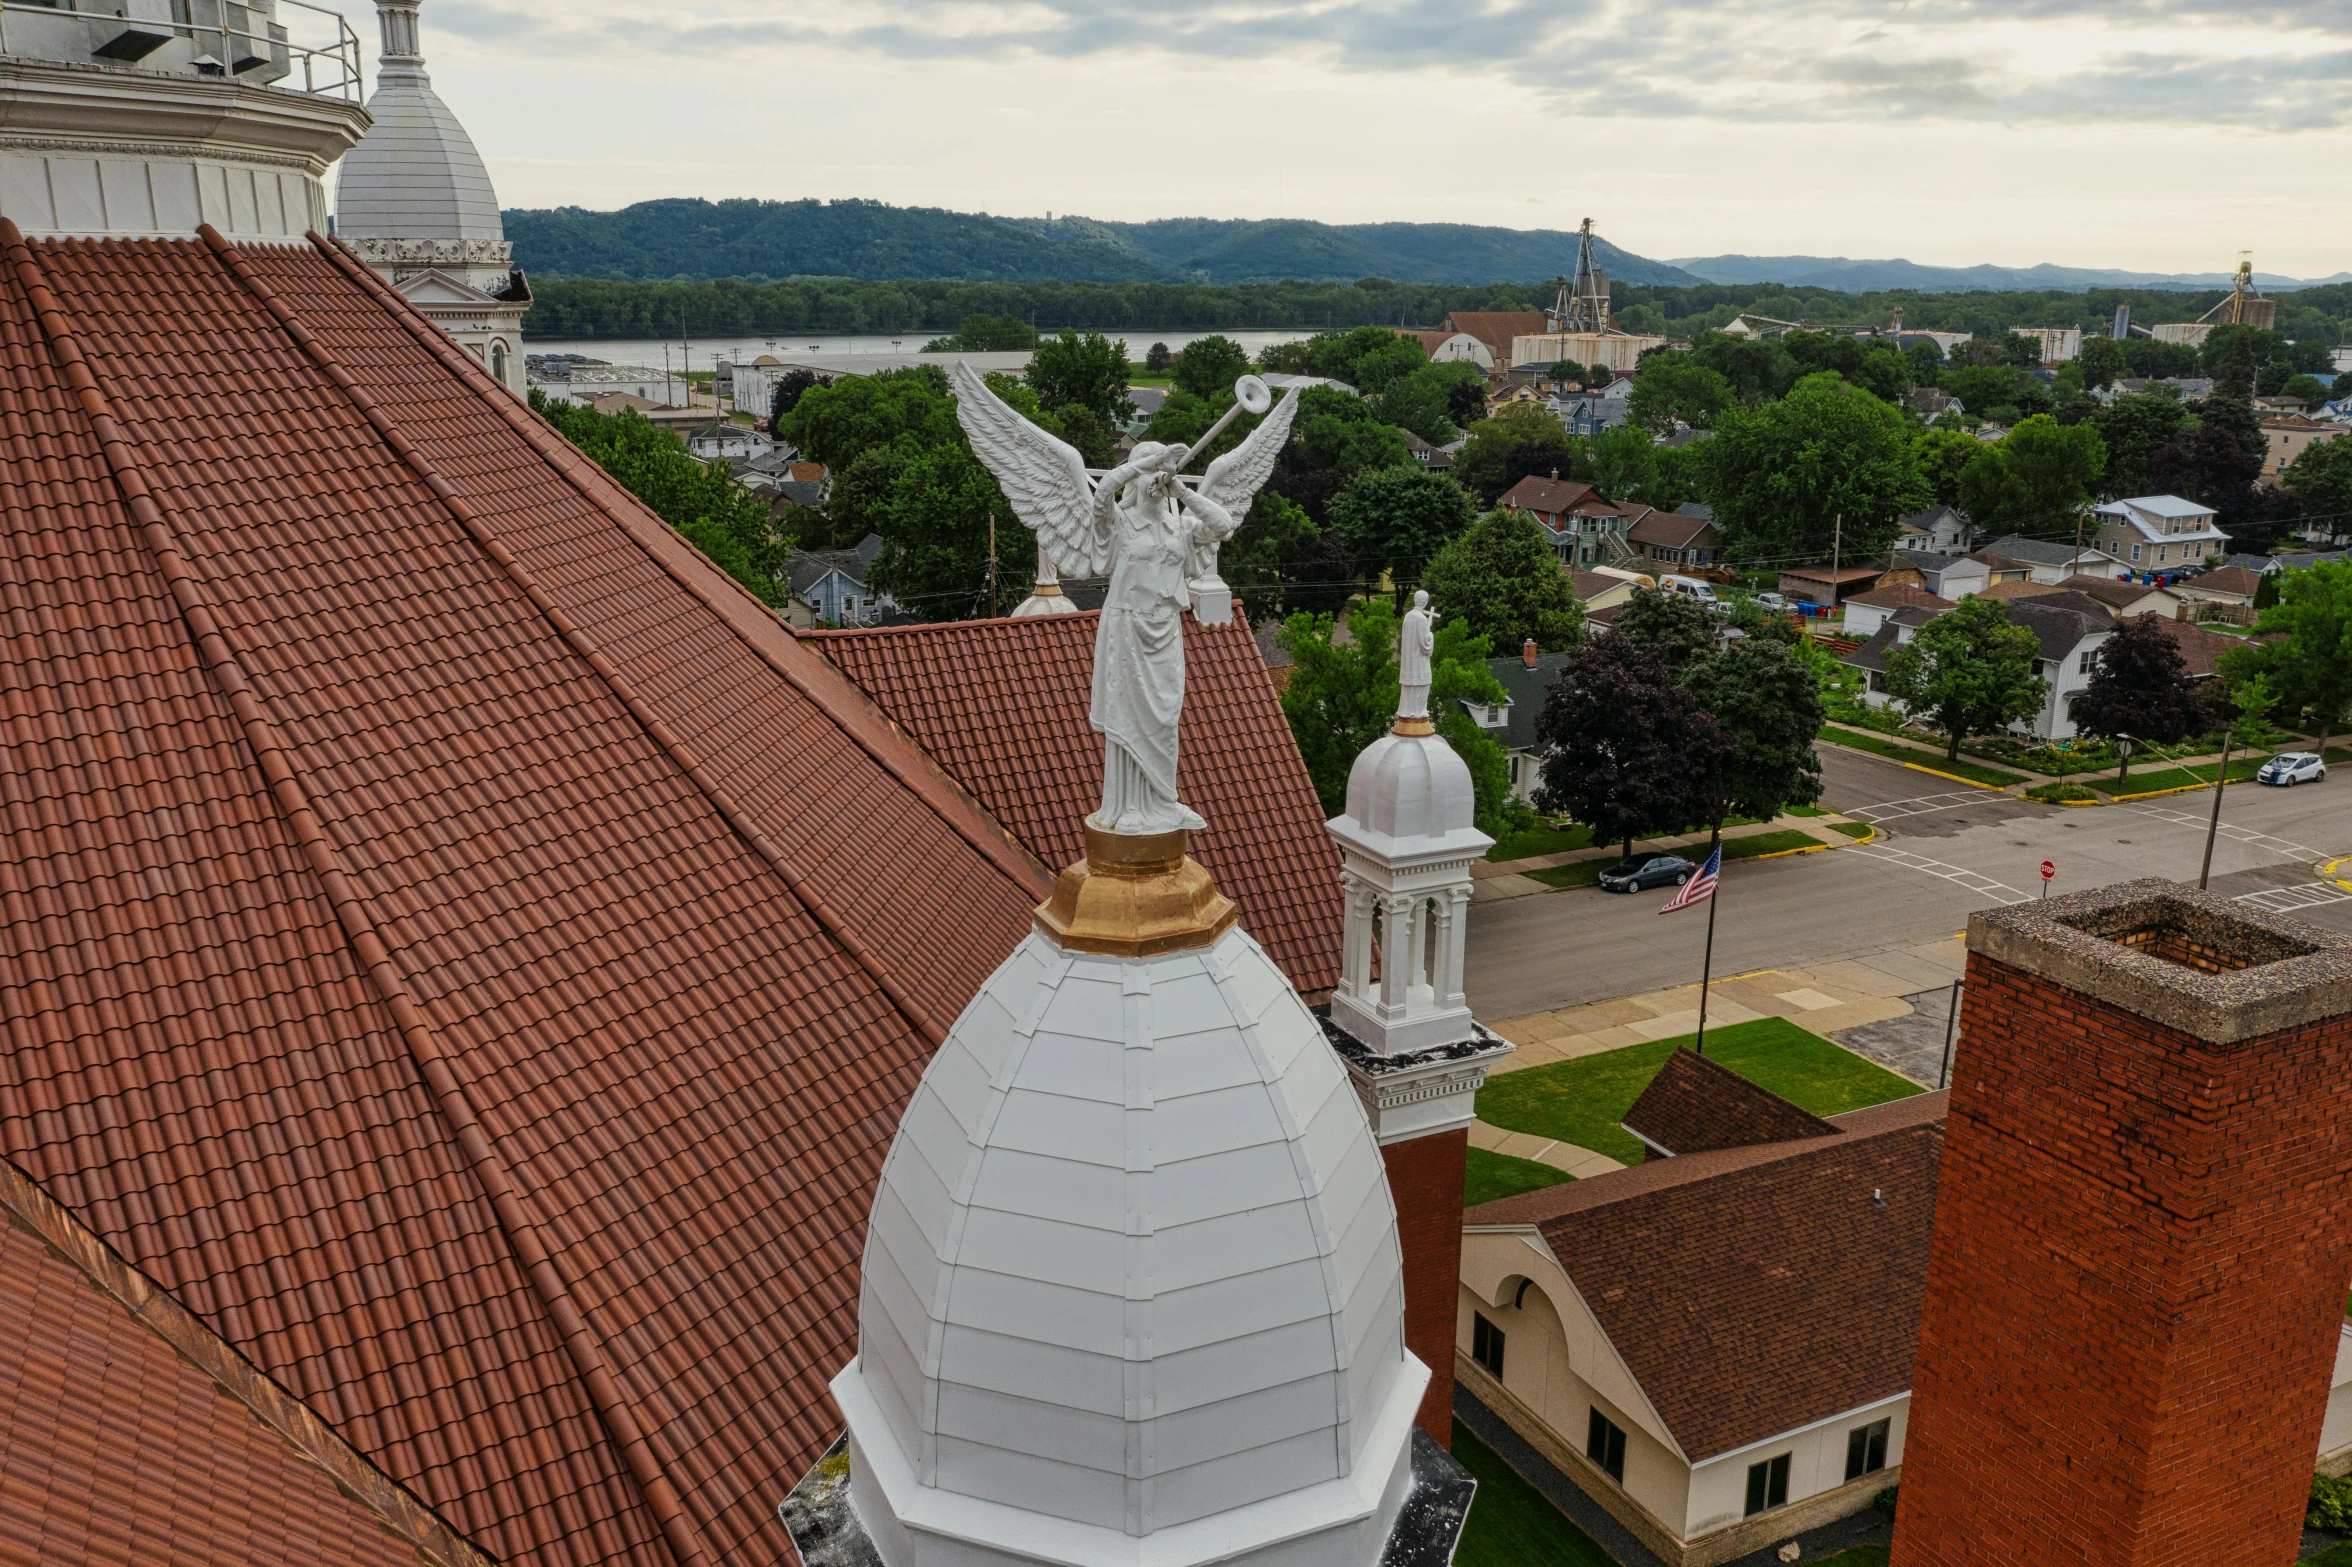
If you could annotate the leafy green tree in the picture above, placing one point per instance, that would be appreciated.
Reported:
(1756, 369)
(1781, 476)
(1927, 362)
(1421, 403)
(1275, 564)
(1155, 359)
(1090, 372)
(1396, 520)
(1625, 750)
(1083, 428)
(2308, 389)
(833, 424)
(1768, 700)
(1342, 695)
(1458, 673)
(1209, 366)
(2321, 478)
(1622, 463)
(1999, 392)
(2206, 463)
(701, 500)
(1466, 397)
(1507, 448)
(981, 333)
(2035, 480)
(1671, 387)
(1677, 629)
(2305, 651)
(2233, 355)
(2140, 687)
(790, 388)
(2103, 363)
(1502, 581)
(1969, 671)
(2151, 360)
(1944, 455)
(1880, 371)
(1343, 434)
(2132, 430)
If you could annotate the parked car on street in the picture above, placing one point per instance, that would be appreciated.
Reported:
(1656, 870)
(2292, 767)
(1773, 602)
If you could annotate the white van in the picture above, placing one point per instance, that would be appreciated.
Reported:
(1688, 588)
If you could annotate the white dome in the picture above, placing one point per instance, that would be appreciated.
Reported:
(415, 175)
(1132, 1270)
(1411, 786)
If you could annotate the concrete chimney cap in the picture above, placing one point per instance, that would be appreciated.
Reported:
(2203, 964)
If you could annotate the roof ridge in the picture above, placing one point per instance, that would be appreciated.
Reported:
(399, 1510)
(926, 628)
(417, 1033)
(858, 718)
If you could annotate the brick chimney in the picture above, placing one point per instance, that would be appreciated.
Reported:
(1527, 652)
(2142, 1237)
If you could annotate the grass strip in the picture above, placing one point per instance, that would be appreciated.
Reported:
(1584, 873)
(1852, 829)
(2241, 769)
(1491, 1176)
(1760, 843)
(1920, 756)
(1581, 1101)
(1544, 839)
(1510, 1522)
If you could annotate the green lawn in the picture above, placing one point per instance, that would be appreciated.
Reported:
(1543, 838)
(1853, 829)
(1581, 873)
(1510, 1523)
(2338, 1555)
(1803, 810)
(1760, 843)
(2241, 768)
(1491, 1176)
(1582, 1101)
(1920, 757)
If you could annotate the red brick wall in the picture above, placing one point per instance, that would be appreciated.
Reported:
(1425, 1176)
(2139, 1265)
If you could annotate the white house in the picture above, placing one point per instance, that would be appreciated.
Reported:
(720, 439)
(2159, 532)
(1939, 529)
(1866, 612)
(2071, 629)
(2051, 561)
(1715, 1346)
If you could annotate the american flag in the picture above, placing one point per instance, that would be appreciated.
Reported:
(1700, 887)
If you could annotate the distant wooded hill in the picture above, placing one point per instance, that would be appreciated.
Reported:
(1849, 276)
(695, 240)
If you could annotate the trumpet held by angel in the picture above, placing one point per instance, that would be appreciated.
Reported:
(1154, 531)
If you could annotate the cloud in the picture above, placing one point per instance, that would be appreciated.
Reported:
(2256, 64)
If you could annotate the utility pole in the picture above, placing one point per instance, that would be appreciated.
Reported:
(2213, 827)
(992, 565)
(1837, 541)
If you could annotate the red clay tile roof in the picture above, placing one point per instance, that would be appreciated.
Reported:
(1756, 1290)
(1695, 1105)
(130, 1434)
(439, 932)
(1002, 705)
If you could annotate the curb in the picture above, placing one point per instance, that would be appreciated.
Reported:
(2329, 871)
(1782, 854)
(1955, 777)
(2158, 794)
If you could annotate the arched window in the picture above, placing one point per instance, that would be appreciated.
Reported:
(498, 361)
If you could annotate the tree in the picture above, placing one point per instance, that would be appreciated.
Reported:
(986, 334)
(1671, 388)
(2320, 478)
(1209, 366)
(1969, 671)
(1943, 456)
(1502, 581)
(1999, 392)
(1343, 434)
(1155, 359)
(1622, 463)
(2140, 687)
(1395, 520)
(1279, 562)
(1625, 750)
(1677, 629)
(1458, 673)
(1342, 695)
(2305, 651)
(1466, 398)
(1781, 476)
(1089, 372)
(2035, 480)
(2103, 363)
(1768, 700)
(1507, 448)
(1756, 369)
(2306, 388)
(1420, 402)
(2205, 463)
(790, 387)
(2133, 429)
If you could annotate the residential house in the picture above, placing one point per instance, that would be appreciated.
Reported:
(2159, 533)
(721, 440)
(2226, 593)
(1715, 1346)
(1586, 530)
(2071, 630)
(2200, 649)
(1866, 612)
(1683, 539)
(829, 586)
(1527, 682)
(2125, 599)
(1435, 458)
(1605, 588)
(1939, 529)
(2051, 562)
(1821, 585)
(2302, 560)
(1894, 630)
(2281, 405)
(1517, 394)
(1942, 573)
(611, 404)
(1589, 413)
(2289, 436)
(1930, 402)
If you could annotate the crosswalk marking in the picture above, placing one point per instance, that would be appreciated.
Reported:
(2302, 854)
(1983, 886)
(2286, 900)
(1923, 805)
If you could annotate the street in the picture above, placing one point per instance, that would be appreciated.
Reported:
(1944, 850)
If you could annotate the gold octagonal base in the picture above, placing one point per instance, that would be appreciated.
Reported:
(1132, 897)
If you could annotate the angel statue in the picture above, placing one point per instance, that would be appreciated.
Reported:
(1151, 530)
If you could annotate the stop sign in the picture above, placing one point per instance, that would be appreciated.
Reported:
(2048, 870)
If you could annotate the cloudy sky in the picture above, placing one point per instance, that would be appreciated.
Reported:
(2155, 134)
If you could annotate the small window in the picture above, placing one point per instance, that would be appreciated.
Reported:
(2088, 662)
(1768, 1484)
(2135, 552)
(1486, 1345)
(1866, 1449)
(1604, 1444)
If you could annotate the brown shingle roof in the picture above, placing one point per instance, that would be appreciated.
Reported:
(1002, 705)
(1756, 1290)
(2228, 579)
(2200, 649)
(2020, 588)
(426, 955)
(1669, 530)
(2113, 592)
(1555, 497)
(1902, 598)
(1695, 1105)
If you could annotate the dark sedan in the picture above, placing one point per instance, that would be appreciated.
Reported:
(1658, 870)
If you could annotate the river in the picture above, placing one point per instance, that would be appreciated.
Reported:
(649, 351)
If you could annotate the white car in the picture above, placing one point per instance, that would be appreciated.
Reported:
(2292, 767)
(1771, 601)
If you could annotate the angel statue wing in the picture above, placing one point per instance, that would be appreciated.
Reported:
(1233, 479)
(1042, 476)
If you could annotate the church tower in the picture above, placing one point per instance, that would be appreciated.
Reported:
(416, 203)
(1416, 1056)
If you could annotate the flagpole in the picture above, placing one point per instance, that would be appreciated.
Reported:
(1707, 964)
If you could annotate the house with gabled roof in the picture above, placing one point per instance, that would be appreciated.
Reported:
(1683, 539)
(1939, 529)
(2159, 533)
(2052, 561)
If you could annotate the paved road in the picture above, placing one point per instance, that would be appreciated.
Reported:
(1946, 851)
